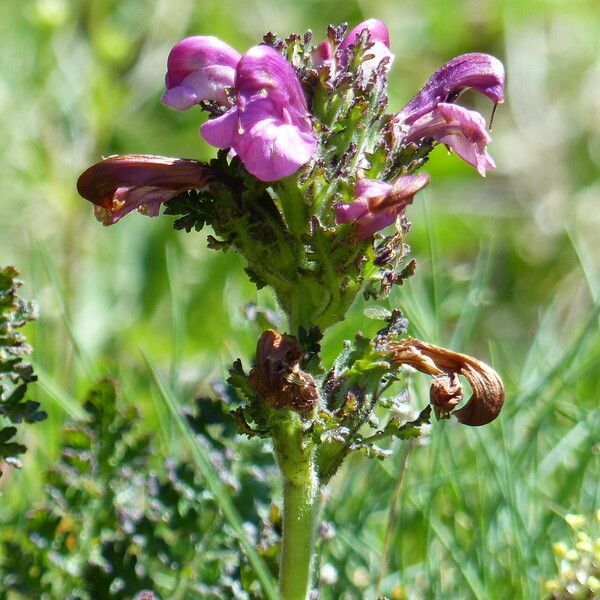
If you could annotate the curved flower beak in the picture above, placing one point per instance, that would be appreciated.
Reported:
(481, 72)
(446, 391)
(123, 183)
(378, 204)
(199, 68)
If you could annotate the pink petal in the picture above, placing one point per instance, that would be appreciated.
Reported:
(196, 53)
(269, 147)
(208, 83)
(461, 129)
(379, 37)
(120, 184)
(222, 131)
(372, 222)
(469, 137)
(408, 185)
(322, 54)
(370, 188)
(199, 68)
(349, 211)
(378, 32)
(262, 69)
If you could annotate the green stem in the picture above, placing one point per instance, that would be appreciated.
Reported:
(296, 460)
(297, 552)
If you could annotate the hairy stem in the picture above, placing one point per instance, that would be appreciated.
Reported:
(297, 553)
(300, 511)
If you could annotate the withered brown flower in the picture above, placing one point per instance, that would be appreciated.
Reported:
(119, 184)
(277, 377)
(446, 390)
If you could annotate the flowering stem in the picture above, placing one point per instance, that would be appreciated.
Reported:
(300, 508)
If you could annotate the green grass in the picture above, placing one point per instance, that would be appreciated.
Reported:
(509, 271)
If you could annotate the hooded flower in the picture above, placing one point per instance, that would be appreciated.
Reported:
(269, 128)
(458, 128)
(199, 68)
(431, 114)
(481, 72)
(377, 204)
(379, 38)
(119, 184)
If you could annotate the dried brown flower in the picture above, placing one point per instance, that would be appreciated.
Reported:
(119, 184)
(277, 377)
(446, 390)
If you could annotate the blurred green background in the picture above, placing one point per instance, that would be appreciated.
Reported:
(508, 268)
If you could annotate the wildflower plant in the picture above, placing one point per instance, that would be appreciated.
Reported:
(310, 185)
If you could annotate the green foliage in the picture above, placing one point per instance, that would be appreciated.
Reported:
(15, 373)
(359, 383)
(116, 521)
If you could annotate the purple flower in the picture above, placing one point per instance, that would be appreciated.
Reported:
(378, 34)
(379, 38)
(431, 114)
(268, 128)
(119, 184)
(458, 128)
(482, 72)
(377, 204)
(322, 54)
(199, 68)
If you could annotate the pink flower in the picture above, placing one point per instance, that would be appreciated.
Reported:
(123, 183)
(481, 72)
(431, 114)
(378, 204)
(458, 128)
(269, 127)
(379, 38)
(199, 68)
